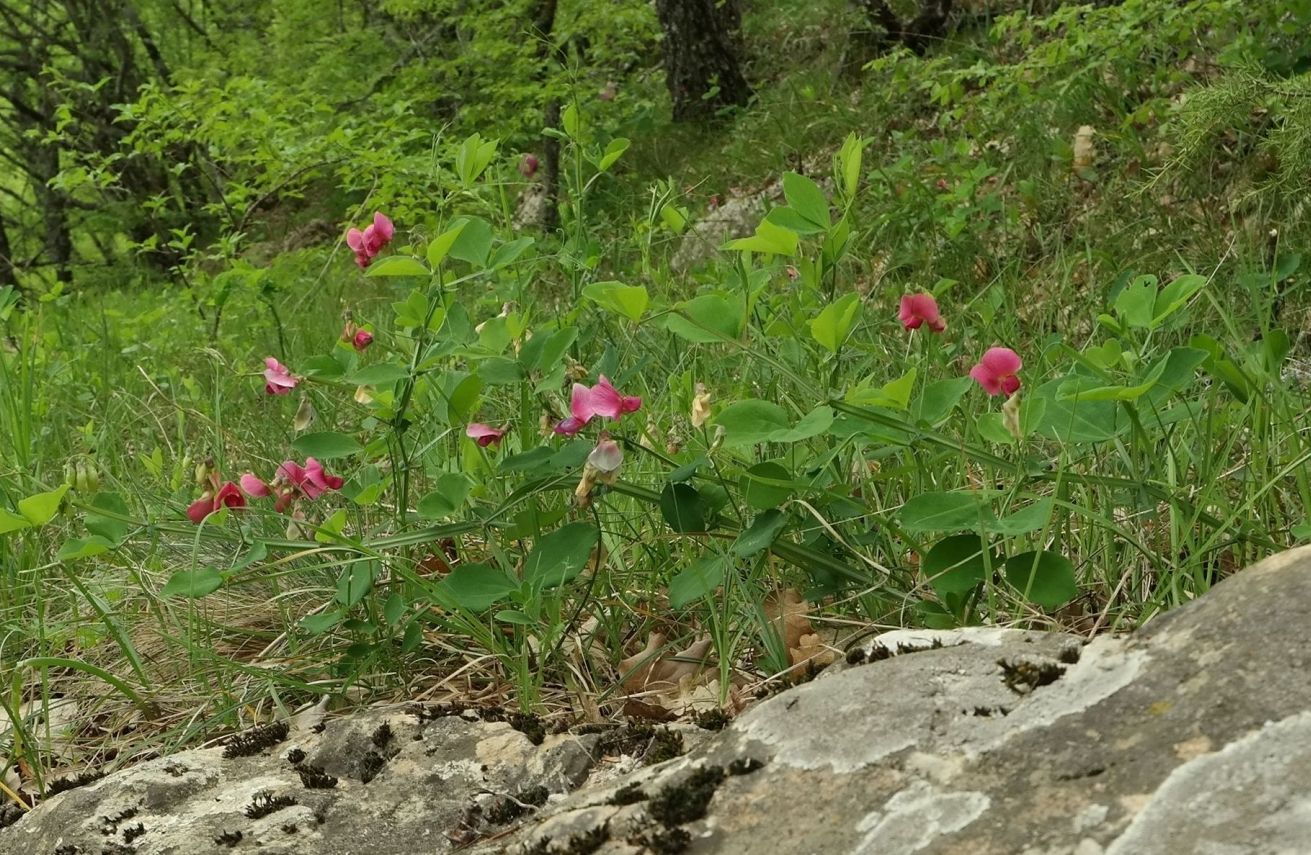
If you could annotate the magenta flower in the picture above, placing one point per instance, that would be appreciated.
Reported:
(920, 309)
(528, 166)
(291, 482)
(278, 379)
(372, 240)
(997, 371)
(603, 399)
(362, 340)
(484, 435)
(215, 498)
(569, 426)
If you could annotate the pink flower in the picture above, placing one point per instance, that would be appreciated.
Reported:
(292, 481)
(920, 309)
(372, 240)
(603, 399)
(484, 435)
(215, 499)
(362, 340)
(528, 166)
(570, 426)
(278, 379)
(997, 370)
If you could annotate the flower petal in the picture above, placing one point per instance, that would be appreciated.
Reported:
(1001, 361)
(484, 435)
(254, 487)
(199, 509)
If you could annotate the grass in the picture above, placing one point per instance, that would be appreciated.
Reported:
(969, 188)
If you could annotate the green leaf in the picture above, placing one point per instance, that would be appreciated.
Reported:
(1023, 521)
(544, 352)
(895, 394)
(708, 319)
(813, 423)
(500, 371)
(613, 152)
(684, 508)
(450, 495)
(193, 583)
(1078, 421)
(440, 245)
(1175, 296)
(11, 522)
(474, 587)
(1136, 302)
(630, 301)
(321, 623)
(761, 534)
(751, 421)
(513, 616)
(561, 555)
(765, 485)
(1045, 578)
(382, 374)
(396, 265)
(960, 509)
(806, 198)
(76, 548)
(332, 530)
(509, 251)
(474, 241)
(355, 581)
(939, 399)
(326, 445)
(769, 239)
(754, 421)
(832, 325)
(394, 609)
(109, 528)
(698, 580)
(41, 508)
(955, 565)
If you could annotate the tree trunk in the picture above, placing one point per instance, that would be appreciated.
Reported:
(544, 24)
(701, 56)
(8, 275)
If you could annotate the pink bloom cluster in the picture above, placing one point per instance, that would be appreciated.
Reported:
(997, 371)
(370, 242)
(603, 399)
(291, 482)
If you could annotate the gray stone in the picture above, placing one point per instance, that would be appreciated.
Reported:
(1192, 735)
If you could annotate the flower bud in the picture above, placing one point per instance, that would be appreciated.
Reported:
(528, 166)
(700, 406)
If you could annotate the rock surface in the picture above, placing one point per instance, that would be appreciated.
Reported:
(1192, 735)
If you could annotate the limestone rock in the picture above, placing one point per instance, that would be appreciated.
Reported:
(1192, 735)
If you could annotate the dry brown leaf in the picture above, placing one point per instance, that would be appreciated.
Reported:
(788, 611)
(1085, 151)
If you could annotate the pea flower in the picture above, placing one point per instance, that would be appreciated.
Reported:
(362, 340)
(215, 497)
(997, 371)
(528, 166)
(371, 241)
(920, 309)
(700, 406)
(603, 399)
(278, 379)
(606, 458)
(291, 482)
(484, 435)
